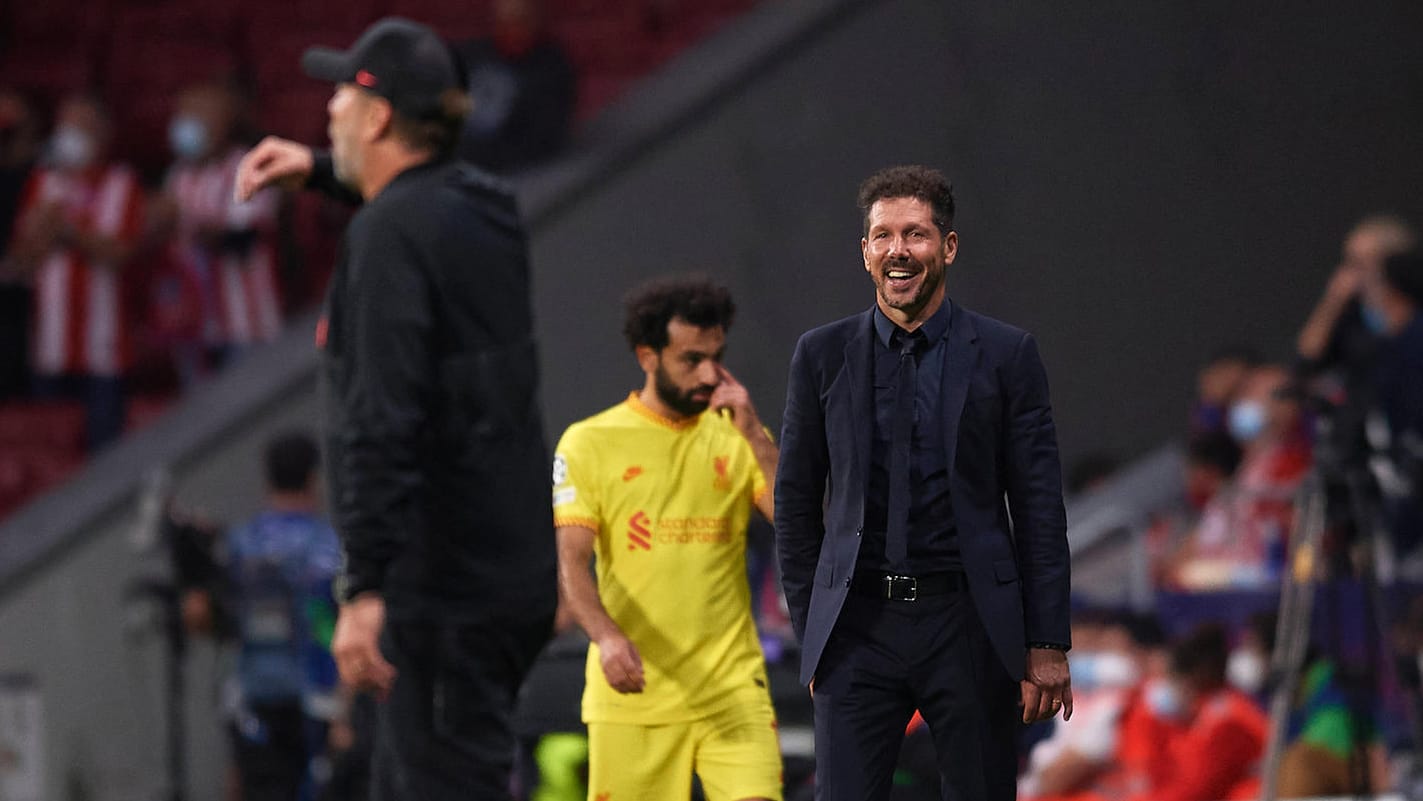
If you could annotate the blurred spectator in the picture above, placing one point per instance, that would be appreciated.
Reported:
(217, 293)
(1391, 307)
(522, 89)
(1244, 530)
(281, 566)
(1211, 461)
(1212, 458)
(1320, 760)
(1217, 383)
(1248, 669)
(19, 149)
(1132, 737)
(79, 219)
(1220, 735)
(1107, 664)
(1335, 335)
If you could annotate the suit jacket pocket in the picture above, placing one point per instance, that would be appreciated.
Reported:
(1006, 571)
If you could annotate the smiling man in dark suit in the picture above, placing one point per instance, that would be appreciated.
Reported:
(933, 574)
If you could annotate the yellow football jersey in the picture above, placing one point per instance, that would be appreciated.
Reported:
(670, 503)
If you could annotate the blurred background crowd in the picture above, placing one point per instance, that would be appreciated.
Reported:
(129, 277)
(128, 273)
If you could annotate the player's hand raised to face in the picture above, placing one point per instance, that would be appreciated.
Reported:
(622, 665)
(732, 396)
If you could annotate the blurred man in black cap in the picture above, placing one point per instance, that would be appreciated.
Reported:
(438, 465)
(1392, 307)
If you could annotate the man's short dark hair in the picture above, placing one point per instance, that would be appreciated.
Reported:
(1404, 272)
(921, 183)
(694, 299)
(438, 133)
(1201, 655)
(292, 459)
(1214, 449)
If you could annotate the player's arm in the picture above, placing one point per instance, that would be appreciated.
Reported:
(289, 165)
(731, 396)
(1312, 344)
(622, 665)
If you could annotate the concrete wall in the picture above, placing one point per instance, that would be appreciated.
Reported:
(1138, 183)
(98, 655)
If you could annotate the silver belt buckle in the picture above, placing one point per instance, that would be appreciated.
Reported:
(910, 584)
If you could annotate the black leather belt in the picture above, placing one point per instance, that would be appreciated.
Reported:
(894, 587)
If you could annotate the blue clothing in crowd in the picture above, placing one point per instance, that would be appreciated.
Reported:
(282, 565)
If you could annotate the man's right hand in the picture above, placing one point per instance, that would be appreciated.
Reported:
(356, 645)
(622, 665)
(273, 162)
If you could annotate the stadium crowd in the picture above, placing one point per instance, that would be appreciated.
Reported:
(125, 283)
(112, 286)
(1184, 717)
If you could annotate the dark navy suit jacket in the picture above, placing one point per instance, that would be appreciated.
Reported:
(1006, 480)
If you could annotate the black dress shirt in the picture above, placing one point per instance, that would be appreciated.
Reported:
(933, 544)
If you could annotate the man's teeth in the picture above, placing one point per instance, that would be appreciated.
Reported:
(899, 274)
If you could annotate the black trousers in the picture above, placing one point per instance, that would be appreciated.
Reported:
(886, 659)
(15, 313)
(273, 747)
(445, 730)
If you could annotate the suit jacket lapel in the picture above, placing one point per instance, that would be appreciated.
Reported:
(960, 359)
(859, 373)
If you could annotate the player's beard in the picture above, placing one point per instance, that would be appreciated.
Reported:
(679, 401)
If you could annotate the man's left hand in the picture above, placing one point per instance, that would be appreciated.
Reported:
(1048, 686)
(731, 395)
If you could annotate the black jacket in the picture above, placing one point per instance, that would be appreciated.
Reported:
(436, 457)
(1001, 444)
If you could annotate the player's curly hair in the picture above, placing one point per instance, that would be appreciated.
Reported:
(921, 183)
(694, 299)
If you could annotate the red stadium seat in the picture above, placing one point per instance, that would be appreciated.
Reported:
(596, 91)
(455, 21)
(144, 409)
(31, 24)
(46, 71)
(298, 114)
(49, 426)
(48, 469)
(606, 43)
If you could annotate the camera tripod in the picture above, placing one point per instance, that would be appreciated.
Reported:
(1305, 571)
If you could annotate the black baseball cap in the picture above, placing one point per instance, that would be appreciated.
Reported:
(400, 60)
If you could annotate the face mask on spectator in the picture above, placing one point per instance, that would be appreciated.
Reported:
(1374, 319)
(1247, 420)
(1104, 670)
(188, 137)
(71, 148)
(1165, 700)
(1246, 671)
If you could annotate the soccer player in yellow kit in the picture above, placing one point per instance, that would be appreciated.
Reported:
(660, 489)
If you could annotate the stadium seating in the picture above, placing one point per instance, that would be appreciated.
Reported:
(137, 53)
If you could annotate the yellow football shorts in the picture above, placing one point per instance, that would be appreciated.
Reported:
(736, 753)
